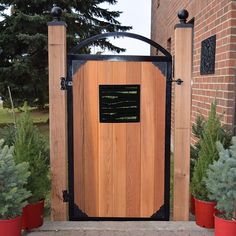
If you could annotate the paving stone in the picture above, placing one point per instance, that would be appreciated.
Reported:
(127, 228)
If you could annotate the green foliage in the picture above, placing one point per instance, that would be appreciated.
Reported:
(31, 146)
(197, 130)
(8, 134)
(221, 180)
(13, 178)
(211, 133)
(23, 41)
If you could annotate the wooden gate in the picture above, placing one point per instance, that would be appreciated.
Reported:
(119, 134)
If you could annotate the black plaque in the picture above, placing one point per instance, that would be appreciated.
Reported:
(119, 103)
(208, 51)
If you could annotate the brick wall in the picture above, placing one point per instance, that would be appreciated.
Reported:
(211, 17)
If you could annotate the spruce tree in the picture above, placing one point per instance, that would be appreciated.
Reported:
(13, 178)
(23, 41)
(221, 180)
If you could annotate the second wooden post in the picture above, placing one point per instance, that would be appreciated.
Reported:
(182, 114)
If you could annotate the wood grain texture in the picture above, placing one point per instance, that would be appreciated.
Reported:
(58, 120)
(120, 159)
(78, 103)
(147, 140)
(133, 151)
(91, 161)
(119, 150)
(105, 151)
(159, 159)
(182, 128)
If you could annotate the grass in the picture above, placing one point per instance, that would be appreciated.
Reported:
(40, 119)
(7, 117)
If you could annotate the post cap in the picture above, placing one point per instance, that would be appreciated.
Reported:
(56, 12)
(183, 15)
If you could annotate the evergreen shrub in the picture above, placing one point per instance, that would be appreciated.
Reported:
(31, 146)
(197, 130)
(221, 180)
(212, 132)
(13, 178)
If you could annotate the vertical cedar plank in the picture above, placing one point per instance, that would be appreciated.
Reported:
(112, 174)
(91, 138)
(147, 140)
(133, 168)
(58, 119)
(159, 171)
(78, 120)
(119, 151)
(105, 137)
(182, 128)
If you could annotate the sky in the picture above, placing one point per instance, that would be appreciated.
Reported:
(136, 13)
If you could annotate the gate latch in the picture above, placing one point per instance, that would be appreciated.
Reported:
(178, 81)
(65, 83)
(66, 196)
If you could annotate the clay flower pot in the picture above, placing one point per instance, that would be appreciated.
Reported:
(10, 227)
(32, 216)
(204, 213)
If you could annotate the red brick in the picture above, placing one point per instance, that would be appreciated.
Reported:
(211, 17)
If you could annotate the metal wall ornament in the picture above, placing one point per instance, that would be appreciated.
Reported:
(208, 50)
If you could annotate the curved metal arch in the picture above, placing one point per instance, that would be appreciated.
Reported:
(92, 39)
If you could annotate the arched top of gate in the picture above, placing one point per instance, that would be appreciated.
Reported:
(95, 38)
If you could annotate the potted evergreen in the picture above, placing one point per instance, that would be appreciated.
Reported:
(221, 186)
(212, 132)
(30, 146)
(197, 130)
(13, 194)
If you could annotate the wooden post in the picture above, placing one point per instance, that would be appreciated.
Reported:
(57, 114)
(182, 109)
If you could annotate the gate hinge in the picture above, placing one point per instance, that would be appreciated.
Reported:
(65, 83)
(66, 196)
(178, 81)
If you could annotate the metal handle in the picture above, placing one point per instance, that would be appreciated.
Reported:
(178, 81)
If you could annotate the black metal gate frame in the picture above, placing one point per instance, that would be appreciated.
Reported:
(74, 212)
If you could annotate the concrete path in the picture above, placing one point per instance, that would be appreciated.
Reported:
(120, 228)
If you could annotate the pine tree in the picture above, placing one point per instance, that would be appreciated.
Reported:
(31, 147)
(13, 178)
(23, 41)
(211, 133)
(197, 130)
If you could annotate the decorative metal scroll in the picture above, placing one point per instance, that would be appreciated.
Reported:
(119, 103)
(208, 56)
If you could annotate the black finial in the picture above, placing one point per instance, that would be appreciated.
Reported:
(56, 13)
(183, 15)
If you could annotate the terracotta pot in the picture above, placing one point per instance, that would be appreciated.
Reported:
(224, 227)
(32, 216)
(10, 227)
(192, 204)
(204, 213)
